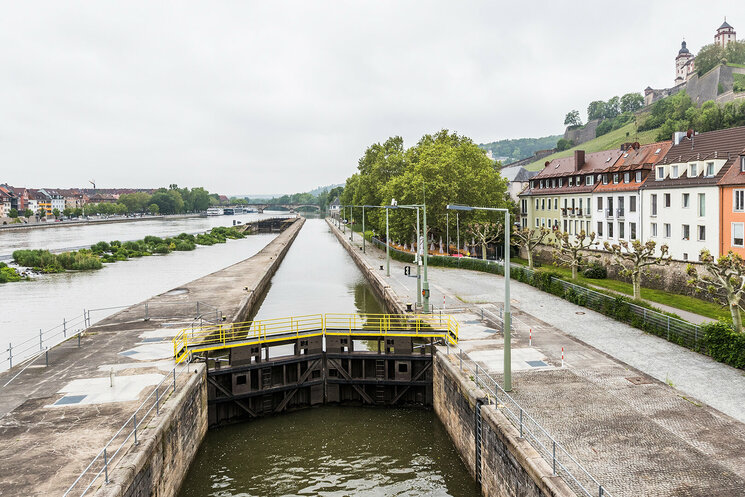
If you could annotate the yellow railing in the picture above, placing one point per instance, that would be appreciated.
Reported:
(222, 336)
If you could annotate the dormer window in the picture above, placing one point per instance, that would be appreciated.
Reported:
(561, 182)
(605, 179)
(658, 151)
(638, 176)
(626, 177)
(615, 178)
(694, 171)
(590, 180)
(674, 172)
(532, 184)
(660, 173)
(742, 163)
(709, 169)
(541, 183)
(571, 181)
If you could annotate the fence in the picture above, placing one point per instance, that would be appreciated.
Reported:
(104, 460)
(561, 462)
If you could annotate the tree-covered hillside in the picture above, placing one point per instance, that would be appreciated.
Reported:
(513, 150)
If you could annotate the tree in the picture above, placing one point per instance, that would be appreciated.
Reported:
(564, 144)
(42, 212)
(28, 213)
(55, 213)
(485, 233)
(572, 119)
(631, 102)
(154, 209)
(708, 58)
(13, 213)
(530, 238)
(726, 283)
(596, 110)
(633, 259)
(569, 249)
(612, 108)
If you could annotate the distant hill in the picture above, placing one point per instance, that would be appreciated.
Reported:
(513, 150)
(266, 196)
(322, 188)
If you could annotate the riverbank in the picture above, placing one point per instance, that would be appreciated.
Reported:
(61, 224)
(597, 386)
(86, 393)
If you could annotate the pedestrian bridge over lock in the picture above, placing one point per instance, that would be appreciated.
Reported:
(190, 341)
(267, 366)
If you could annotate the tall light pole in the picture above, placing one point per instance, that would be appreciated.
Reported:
(363, 230)
(351, 223)
(507, 320)
(417, 259)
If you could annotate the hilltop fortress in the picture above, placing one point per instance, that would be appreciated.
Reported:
(714, 85)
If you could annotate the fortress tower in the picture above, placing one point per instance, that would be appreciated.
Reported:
(684, 63)
(725, 34)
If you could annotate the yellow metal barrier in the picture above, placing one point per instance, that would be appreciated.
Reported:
(224, 336)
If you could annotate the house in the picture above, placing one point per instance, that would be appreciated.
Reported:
(560, 195)
(41, 200)
(5, 202)
(732, 206)
(616, 202)
(21, 195)
(334, 207)
(74, 199)
(57, 201)
(103, 198)
(682, 201)
(517, 178)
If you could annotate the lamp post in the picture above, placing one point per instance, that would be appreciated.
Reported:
(387, 236)
(507, 320)
(351, 223)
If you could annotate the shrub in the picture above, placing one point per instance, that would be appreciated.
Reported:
(8, 274)
(595, 271)
(153, 240)
(564, 144)
(184, 245)
(724, 344)
(101, 247)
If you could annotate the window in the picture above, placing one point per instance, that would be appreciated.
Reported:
(605, 179)
(600, 228)
(742, 163)
(537, 203)
(553, 183)
(537, 223)
(694, 171)
(626, 177)
(621, 230)
(739, 201)
(590, 180)
(610, 205)
(573, 200)
(524, 222)
(543, 222)
(561, 182)
(524, 204)
(541, 183)
(610, 230)
(556, 223)
(543, 204)
(674, 172)
(701, 233)
(709, 169)
(701, 204)
(685, 256)
(632, 203)
(570, 227)
(738, 234)
(632, 231)
(667, 200)
(654, 204)
(578, 181)
(556, 202)
(686, 232)
(654, 229)
(565, 225)
(686, 200)
(660, 173)
(571, 182)
(666, 226)
(600, 203)
(565, 203)
(580, 206)
(615, 178)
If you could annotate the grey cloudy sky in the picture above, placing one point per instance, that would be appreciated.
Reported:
(278, 96)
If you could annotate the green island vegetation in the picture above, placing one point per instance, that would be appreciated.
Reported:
(513, 150)
(8, 274)
(102, 252)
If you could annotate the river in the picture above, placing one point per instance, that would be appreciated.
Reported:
(28, 306)
(329, 451)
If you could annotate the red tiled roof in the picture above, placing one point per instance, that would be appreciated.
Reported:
(564, 166)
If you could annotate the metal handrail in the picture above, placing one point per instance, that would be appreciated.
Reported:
(580, 479)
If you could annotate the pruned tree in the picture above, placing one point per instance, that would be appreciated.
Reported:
(485, 233)
(726, 282)
(530, 238)
(634, 257)
(569, 249)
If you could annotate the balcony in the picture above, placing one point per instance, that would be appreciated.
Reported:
(609, 213)
(619, 213)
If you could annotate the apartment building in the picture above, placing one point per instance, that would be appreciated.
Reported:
(732, 206)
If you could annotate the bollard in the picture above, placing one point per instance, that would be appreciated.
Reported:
(530, 340)
(562, 357)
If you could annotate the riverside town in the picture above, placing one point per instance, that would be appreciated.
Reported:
(455, 250)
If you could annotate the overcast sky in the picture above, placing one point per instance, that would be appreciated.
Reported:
(273, 96)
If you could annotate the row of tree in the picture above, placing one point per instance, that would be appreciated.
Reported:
(442, 168)
(614, 107)
(712, 55)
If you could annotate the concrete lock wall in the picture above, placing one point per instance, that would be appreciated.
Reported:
(166, 446)
(510, 467)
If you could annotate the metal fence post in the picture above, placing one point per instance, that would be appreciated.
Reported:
(10, 355)
(134, 417)
(668, 327)
(461, 359)
(197, 308)
(521, 422)
(174, 379)
(64, 327)
(41, 347)
(46, 357)
(600, 492)
(105, 465)
(554, 456)
(157, 401)
(147, 312)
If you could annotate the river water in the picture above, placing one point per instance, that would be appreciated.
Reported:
(329, 451)
(28, 306)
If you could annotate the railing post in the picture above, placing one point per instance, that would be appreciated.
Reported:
(41, 347)
(477, 374)
(64, 328)
(600, 492)
(174, 379)
(105, 465)
(46, 357)
(10, 355)
(668, 327)
(461, 359)
(554, 456)
(134, 417)
(147, 312)
(157, 400)
(521, 422)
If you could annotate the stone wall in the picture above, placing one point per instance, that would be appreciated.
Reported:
(582, 134)
(158, 464)
(510, 467)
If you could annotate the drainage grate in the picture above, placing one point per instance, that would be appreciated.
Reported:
(639, 380)
(69, 399)
(536, 364)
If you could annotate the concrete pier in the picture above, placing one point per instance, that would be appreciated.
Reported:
(56, 418)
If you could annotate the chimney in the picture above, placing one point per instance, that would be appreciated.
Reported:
(579, 159)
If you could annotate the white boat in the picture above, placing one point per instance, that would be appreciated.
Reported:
(215, 211)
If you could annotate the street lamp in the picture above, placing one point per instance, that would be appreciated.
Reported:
(507, 320)
(419, 239)
(387, 236)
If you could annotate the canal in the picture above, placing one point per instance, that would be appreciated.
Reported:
(329, 451)
(29, 306)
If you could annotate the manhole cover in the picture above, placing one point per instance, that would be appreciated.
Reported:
(536, 364)
(177, 291)
(638, 380)
(69, 399)
(580, 313)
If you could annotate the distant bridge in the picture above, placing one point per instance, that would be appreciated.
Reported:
(289, 207)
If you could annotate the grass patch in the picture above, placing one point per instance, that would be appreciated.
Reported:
(682, 302)
(608, 141)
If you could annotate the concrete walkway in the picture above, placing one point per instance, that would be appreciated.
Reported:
(632, 408)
